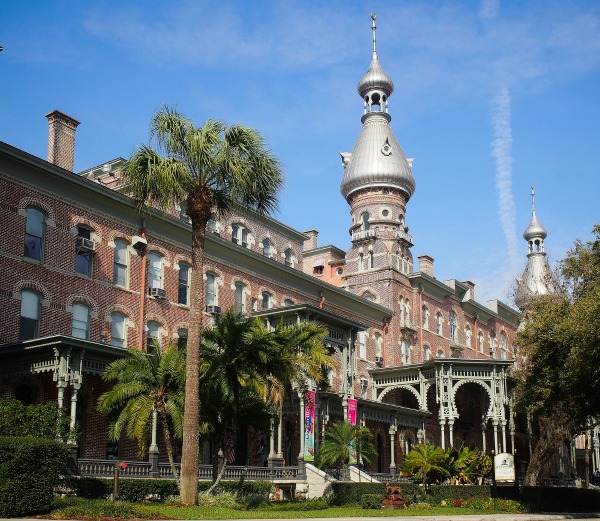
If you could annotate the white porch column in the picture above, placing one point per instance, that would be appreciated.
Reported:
(301, 453)
(483, 438)
(451, 431)
(443, 430)
(504, 447)
(153, 444)
(596, 441)
(272, 438)
(279, 435)
(495, 426)
(73, 409)
(393, 451)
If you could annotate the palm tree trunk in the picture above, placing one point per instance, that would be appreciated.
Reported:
(191, 439)
(169, 444)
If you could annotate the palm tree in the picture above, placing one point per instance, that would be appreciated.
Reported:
(213, 168)
(343, 440)
(425, 461)
(146, 384)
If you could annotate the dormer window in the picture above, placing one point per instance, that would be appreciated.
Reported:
(267, 248)
(239, 235)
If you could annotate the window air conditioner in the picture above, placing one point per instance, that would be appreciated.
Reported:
(83, 244)
(213, 310)
(158, 293)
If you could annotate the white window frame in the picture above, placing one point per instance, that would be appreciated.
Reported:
(362, 345)
(211, 295)
(184, 282)
(240, 297)
(81, 321)
(156, 270)
(31, 309)
(154, 332)
(118, 320)
(31, 226)
(121, 263)
(267, 300)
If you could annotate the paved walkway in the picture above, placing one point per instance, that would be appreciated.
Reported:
(476, 517)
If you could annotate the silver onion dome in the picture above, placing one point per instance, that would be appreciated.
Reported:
(375, 79)
(535, 230)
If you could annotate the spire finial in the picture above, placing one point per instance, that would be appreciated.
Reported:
(374, 27)
(533, 198)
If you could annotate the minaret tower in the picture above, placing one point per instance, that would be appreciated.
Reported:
(377, 183)
(538, 278)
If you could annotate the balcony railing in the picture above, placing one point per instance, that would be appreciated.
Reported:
(405, 236)
(142, 469)
(364, 234)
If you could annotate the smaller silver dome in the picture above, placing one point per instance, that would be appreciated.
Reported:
(375, 79)
(535, 230)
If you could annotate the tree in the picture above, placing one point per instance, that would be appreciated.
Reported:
(246, 365)
(560, 337)
(339, 440)
(425, 462)
(467, 465)
(213, 168)
(146, 384)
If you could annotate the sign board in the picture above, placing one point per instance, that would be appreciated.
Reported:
(352, 404)
(504, 467)
(309, 426)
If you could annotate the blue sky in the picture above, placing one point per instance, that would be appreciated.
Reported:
(490, 97)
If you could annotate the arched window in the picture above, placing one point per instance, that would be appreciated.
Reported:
(492, 344)
(371, 260)
(84, 256)
(267, 300)
(425, 317)
(480, 342)
(453, 327)
(211, 289)
(81, 321)
(183, 290)
(426, 353)
(118, 330)
(378, 345)
(121, 263)
(154, 336)
(240, 297)
(407, 313)
(405, 352)
(267, 248)
(366, 225)
(468, 336)
(35, 229)
(239, 235)
(439, 322)
(503, 346)
(29, 324)
(155, 260)
(361, 262)
(288, 257)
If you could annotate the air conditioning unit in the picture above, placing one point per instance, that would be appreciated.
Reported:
(379, 360)
(213, 310)
(158, 293)
(83, 244)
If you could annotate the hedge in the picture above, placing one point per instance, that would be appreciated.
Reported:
(346, 492)
(370, 501)
(137, 490)
(561, 499)
(29, 470)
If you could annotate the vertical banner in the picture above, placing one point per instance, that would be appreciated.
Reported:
(309, 426)
(352, 420)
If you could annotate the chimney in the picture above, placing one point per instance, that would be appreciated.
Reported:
(311, 242)
(471, 286)
(61, 139)
(426, 265)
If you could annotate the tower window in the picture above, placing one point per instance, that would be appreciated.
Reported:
(365, 221)
(288, 257)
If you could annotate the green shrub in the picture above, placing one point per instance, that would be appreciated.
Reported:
(89, 488)
(29, 470)
(138, 490)
(40, 421)
(98, 509)
(560, 499)
(222, 499)
(242, 489)
(347, 493)
(370, 501)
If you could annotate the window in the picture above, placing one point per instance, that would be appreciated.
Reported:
(288, 302)
(362, 346)
(239, 235)
(365, 221)
(426, 353)
(453, 328)
(240, 298)
(405, 352)
(339, 271)
(361, 262)
(34, 234)
(154, 336)
(156, 269)
(318, 271)
(183, 290)
(254, 304)
(468, 336)
(81, 321)
(425, 317)
(407, 313)
(266, 248)
(492, 345)
(29, 324)
(439, 321)
(378, 345)
(121, 263)
(211, 225)
(288, 257)
(266, 300)
(84, 256)
(211, 289)
(440, 354)
(118, 330)
(371, 260)
(182, 335)
(480, 342)
(503, 347)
